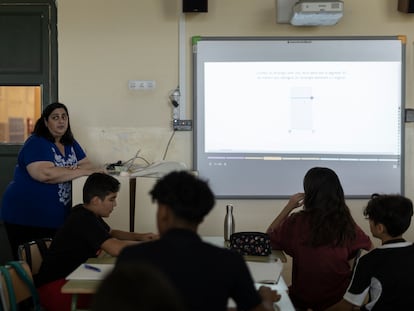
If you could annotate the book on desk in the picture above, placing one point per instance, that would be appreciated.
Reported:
(91, 271)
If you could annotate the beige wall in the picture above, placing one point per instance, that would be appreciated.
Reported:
(103, 44)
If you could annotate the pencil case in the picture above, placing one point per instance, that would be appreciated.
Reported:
(251, 243)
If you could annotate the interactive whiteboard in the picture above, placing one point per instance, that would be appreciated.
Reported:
(267, 109)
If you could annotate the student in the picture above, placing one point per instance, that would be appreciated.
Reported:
(136, 287)
(385, 273)
(84, 235)
(204, 275)
(321, 238)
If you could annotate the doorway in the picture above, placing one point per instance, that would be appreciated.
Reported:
(28, 74)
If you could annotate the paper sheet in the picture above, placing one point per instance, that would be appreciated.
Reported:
(82, 273)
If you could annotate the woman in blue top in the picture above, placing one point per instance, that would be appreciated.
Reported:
(37, 200)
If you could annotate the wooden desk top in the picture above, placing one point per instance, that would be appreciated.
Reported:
(86, 286)
(80, 286)
(89, 286)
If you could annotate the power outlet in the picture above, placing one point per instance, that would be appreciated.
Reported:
(141, 84)
(182, 125)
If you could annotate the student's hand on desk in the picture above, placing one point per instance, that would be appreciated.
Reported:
(268, 294)
(148, 236)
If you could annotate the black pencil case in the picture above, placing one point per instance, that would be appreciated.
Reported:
(251, 243)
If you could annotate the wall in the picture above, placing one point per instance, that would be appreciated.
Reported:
(103, 44)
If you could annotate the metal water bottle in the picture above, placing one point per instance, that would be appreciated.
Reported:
(228, 222)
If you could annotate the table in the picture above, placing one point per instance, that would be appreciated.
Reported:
(76, 287)
(284, 304)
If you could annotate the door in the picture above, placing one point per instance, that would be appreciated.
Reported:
(28, 58)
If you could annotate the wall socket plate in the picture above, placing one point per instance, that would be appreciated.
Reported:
(409, 115)
(182, 125)
(141, 84)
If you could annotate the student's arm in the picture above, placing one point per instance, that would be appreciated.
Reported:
(133, 236)
(295, 201)
(269, 297)
(114, 246)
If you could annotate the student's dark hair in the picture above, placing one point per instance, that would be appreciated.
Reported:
(330, 220)
(393, 211)
(189, 197)
(40, 128)
(136, 286)
(100, 185)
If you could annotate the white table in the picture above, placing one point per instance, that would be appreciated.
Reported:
(284, 304)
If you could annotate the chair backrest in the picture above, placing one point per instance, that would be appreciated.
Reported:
(355, 260)
(33, 252)
(16, 286)
(5, 249)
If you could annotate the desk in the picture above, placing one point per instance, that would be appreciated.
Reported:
(76, 287)
(284, 304)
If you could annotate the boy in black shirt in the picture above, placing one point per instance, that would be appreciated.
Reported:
(385, 272)
(205, 276)
(84, 235)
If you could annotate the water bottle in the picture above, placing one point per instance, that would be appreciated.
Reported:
(228, 223)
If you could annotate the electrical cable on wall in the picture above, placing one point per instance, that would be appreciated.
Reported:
(168, 145)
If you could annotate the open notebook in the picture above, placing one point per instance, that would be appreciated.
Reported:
(85, 272)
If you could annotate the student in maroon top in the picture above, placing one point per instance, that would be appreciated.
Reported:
(321, 238)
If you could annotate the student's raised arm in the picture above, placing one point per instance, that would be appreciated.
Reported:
(294, 202)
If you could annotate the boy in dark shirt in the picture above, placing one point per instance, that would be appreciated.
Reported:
(205, 276)
(84, 235)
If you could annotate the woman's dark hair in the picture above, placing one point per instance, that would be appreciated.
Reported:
(330, 220)
(41, 129)
(189, 197)
(394, 211)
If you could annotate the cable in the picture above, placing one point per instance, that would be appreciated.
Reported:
(168, 145)
(132, 160)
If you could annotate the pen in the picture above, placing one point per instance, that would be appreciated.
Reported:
(91, 268)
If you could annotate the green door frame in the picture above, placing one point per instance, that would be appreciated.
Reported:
(12, 68)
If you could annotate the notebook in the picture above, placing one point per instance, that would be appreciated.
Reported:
(85, 272)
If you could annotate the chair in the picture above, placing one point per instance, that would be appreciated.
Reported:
(16, 286)
(5, 249)
(355, 260)
(33, 252)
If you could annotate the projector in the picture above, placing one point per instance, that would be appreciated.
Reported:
(317, 13)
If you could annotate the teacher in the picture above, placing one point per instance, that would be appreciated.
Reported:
(38, 199)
